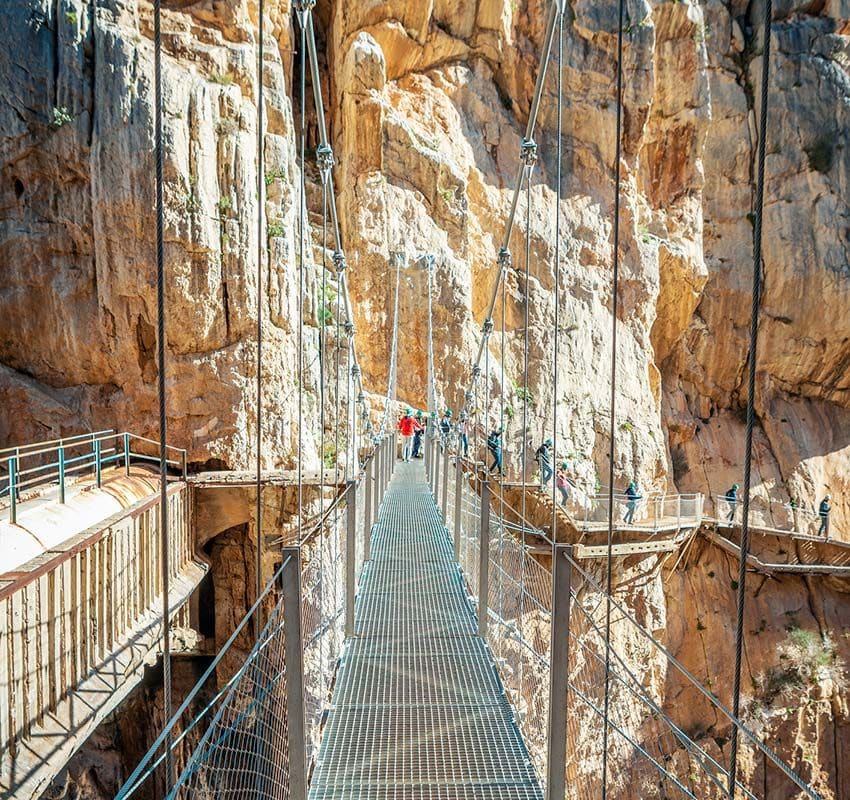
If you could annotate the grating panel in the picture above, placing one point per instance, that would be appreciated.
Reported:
(418, 710)
(435, 744)
(424, 678)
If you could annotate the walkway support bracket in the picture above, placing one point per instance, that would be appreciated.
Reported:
(556, 757)
(350, 555)
(293, 649)
(484, 563)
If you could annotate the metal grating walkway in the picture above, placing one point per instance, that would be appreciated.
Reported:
(418, 710)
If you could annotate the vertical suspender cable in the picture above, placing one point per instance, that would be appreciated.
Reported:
(758, 214)
(163, 424)
(258, 615)
(301, 234)
(613, 432)
(558, 191)
(524, 445)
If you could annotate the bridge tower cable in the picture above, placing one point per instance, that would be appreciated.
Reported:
(504, 254)
(613, 431)
(302, 205)
(530, 156)
(557, 271)
(258, 617)
(161, 391)
(758, 221)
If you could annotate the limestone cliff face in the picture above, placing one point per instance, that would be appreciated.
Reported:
(427, 102)
(78, 343)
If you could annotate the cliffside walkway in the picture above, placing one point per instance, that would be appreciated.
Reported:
(418, 710)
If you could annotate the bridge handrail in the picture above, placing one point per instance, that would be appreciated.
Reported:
(471, 507)
(63, 465)
(324, 610)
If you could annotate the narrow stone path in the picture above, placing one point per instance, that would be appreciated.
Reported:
(418, 711)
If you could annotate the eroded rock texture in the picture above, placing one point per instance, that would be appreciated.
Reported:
(426, 104)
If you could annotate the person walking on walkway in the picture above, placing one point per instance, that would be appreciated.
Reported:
(407, 427)
(418, 433)
(462, 430)
(632, 497)
(562, 481)
(494, 445)
(446, 427)
(731, 497)
(823, 512)
(543, 457)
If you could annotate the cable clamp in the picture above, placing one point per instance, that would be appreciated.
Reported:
(325, 161)
(355, 372)
(487, 328)
(340, 263)
(348, 327)
(505, 259)
(469, 396)
(361, 398)
(476, 372)
(528, 152)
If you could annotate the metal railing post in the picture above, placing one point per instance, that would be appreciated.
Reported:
(484, 563)
(437, 475)
(556, 759)
(97, 475)
(446, 486)
(458, 506)
(367, 511)
(350, 555)
(13, 489)
(61, 459)
(126, 453)
(426, 449)
(184, 464)
(293, 649)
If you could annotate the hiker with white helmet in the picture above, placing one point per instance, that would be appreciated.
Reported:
(731, 498)
(407, 427)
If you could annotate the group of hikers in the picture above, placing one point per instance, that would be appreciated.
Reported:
(731, 498)
(413, 426)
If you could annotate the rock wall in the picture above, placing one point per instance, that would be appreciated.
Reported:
(426, 105)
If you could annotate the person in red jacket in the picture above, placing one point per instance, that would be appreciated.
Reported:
(407, 427)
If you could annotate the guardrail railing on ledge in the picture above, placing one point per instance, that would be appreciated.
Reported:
(58, 461)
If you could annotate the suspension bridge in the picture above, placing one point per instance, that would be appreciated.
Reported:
(410, 641)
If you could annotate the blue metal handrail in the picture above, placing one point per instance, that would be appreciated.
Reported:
(103, 448)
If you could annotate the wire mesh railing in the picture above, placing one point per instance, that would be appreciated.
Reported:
(653, 749)
(252, 724)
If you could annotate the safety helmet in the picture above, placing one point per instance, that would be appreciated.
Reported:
(632, 485)
(548, 441)
(408, 412)
(448, 412)
(828, 497)
(418, 413)
(735, 486)
(563, 465)
(501, 429)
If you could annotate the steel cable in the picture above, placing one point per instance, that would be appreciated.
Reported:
(163, 423)
(301, 236)
(260, 263)
(614, 312)
(758, 214)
